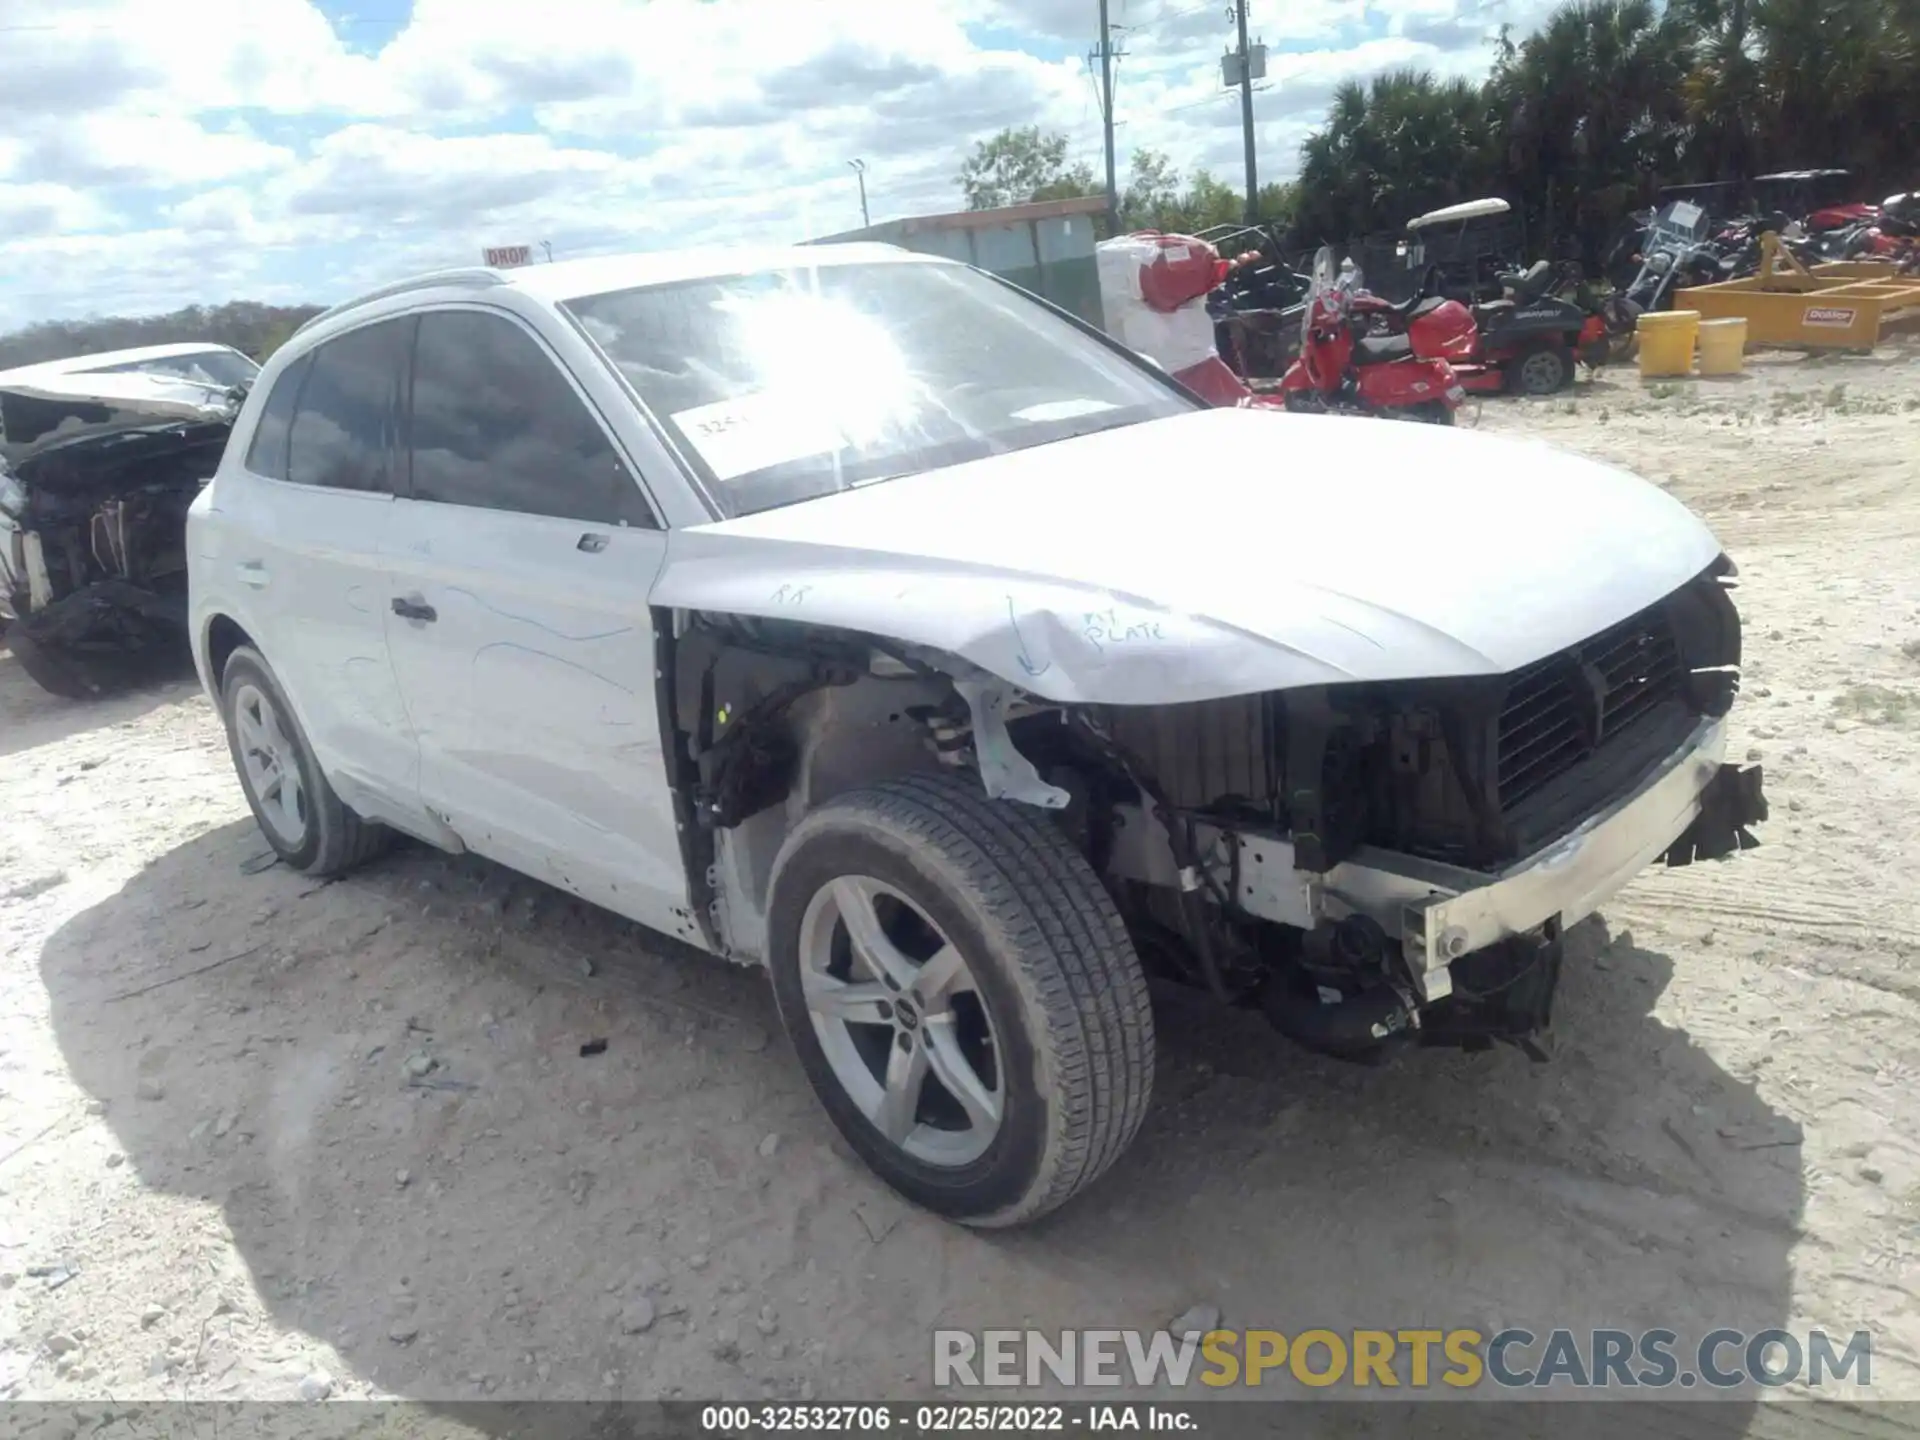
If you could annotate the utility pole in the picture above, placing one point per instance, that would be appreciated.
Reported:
(1246, 110)
(1106, 114)
(860, 170)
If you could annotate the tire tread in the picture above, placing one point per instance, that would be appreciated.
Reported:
(1093, 999)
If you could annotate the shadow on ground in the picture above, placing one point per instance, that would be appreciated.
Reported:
(30, 717)
(381, 1084)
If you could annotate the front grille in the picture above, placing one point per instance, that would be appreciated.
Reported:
(1568, 706)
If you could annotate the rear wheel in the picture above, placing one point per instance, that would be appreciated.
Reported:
(1542, 370)
(1433, 412)
(963, 997)
(297, 811)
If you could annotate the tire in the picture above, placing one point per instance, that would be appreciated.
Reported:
(1433, 412)
(1544, 369)
(1056, 1025)
(50, 670)
(329, 838)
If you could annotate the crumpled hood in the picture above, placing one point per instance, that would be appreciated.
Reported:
(1218, 553)
(43, 411)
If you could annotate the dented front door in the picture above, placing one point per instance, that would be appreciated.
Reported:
(522, 639)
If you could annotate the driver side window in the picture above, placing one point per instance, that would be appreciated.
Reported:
(497, 425)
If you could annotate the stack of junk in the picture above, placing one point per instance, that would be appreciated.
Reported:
(1153, 291)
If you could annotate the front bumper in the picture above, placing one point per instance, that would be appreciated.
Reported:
(1692, 806)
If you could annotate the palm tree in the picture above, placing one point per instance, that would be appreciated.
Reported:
(1401, 145)
(1594, 112)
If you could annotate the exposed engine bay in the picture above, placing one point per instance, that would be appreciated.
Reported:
(99, 460)
(1369, 863)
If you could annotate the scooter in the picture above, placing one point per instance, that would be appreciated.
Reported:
(1403, 374)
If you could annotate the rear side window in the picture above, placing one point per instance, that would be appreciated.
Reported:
(496, 425)
(345, 426)
(267, 455)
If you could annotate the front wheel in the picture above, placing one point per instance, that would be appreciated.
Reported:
(963, 997)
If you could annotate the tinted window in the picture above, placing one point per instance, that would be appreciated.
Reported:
(267, 455)
(495, 424)
(344, 429)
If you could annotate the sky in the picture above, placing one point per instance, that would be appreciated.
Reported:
(158, 153)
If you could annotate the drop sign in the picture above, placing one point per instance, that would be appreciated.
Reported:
(505, 257)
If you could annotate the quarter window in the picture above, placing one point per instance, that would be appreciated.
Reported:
(267, 454)
(495, 424)
(344, 429)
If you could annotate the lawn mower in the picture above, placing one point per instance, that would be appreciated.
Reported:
(1529, 329)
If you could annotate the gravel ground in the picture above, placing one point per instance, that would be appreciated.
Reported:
(265, 1138)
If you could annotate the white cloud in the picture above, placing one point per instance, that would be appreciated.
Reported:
(274, 55)
(121, 147)
(155, 153)
(38, 210)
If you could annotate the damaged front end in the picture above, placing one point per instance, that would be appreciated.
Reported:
(1398, 862)
(1371, 864)
(97, 471)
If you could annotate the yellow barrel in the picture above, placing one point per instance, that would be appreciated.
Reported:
(1666, 341)
(1723, 346)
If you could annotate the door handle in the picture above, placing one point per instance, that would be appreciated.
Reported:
(408, 609)
(253, 573)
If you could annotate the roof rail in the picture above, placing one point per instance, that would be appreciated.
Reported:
(471, 277)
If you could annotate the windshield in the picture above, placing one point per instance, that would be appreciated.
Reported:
(224, 368)
(784, 386)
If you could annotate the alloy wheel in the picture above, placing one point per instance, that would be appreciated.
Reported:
(270, 765)
(901, 1021)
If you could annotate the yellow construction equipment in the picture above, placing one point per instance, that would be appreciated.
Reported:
(1843, 305)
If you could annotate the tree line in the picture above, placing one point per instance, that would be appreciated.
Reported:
(1576, 125)
(249, 326)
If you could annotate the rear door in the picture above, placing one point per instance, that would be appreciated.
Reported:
(305, 544)
(522, 554)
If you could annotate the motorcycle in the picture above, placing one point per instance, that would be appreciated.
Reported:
(1607, 334)
(1404, 373)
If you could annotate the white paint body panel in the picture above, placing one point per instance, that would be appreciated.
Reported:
(301, 570)
(163, 397)
(532, 698)
(1218, 553)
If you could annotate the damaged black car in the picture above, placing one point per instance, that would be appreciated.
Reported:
(100, 456)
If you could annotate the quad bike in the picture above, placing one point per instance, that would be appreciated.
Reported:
(1402, 373)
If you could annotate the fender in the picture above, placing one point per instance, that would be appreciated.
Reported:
(1409, 382)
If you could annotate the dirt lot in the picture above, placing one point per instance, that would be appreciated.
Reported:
(223, 1178)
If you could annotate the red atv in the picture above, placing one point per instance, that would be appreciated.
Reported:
(1401, 369)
